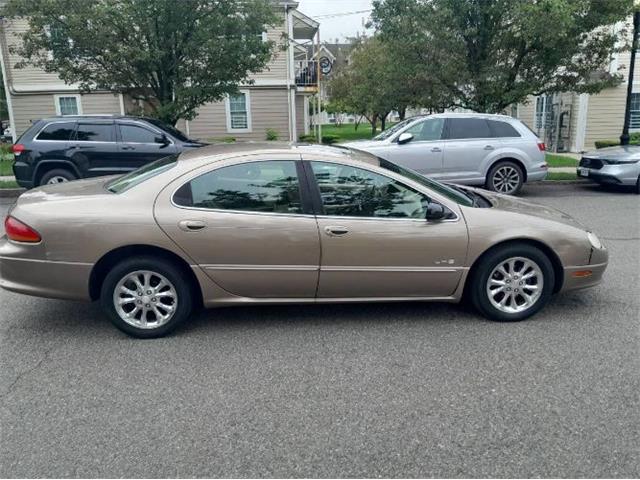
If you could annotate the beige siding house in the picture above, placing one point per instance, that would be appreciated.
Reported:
(271, 101)
(574, 122)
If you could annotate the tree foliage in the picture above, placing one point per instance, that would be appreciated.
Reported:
(487, 54)
(174, 55)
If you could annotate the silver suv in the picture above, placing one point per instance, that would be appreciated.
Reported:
(496, 151)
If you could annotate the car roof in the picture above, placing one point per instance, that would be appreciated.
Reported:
(93, 117)
(270, 151)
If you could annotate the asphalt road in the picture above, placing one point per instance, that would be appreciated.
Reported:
(392, 390)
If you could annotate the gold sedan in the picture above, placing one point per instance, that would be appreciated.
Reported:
(279, 223)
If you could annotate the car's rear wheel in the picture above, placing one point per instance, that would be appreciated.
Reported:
(505, 177)
(146, 297)
(58, 175)
(512, 283)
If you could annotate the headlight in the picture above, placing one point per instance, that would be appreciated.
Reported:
(595, 241)
(621, 162)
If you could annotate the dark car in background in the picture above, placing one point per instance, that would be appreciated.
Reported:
(60, 149)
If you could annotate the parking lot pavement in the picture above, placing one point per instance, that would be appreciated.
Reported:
(393, 390)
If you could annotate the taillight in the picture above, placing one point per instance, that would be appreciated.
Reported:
(18, 148)
(541, 146)
(20, 232)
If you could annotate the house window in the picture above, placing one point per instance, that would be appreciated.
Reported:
(68, 105)
(635, 111)
(543, 109)
(238, 112)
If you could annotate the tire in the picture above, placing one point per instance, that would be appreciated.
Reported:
(638, 186)
(487, 268)
(173, 301)
(505, 177)
(57, 175)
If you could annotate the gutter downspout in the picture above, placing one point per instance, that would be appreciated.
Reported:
(289, 28)
(5, 79)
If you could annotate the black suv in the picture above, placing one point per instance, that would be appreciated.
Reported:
(60, 149)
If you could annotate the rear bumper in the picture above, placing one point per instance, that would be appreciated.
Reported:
(537, 175)
(42, 278)
(23, 173)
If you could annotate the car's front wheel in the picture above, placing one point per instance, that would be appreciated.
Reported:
(146, 297)
(505, 177)
(512, 283)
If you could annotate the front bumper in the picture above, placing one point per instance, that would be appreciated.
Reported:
(621, 174)
(585, 276)
(41, 278)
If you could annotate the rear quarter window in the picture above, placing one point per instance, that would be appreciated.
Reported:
(57, 132)
(502, 129)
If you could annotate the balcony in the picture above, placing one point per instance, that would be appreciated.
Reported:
(306, 75)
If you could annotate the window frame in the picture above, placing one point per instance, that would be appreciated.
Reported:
(227, 108)
(77, 97)
(632, 111)
(75, 126)
(114, 134)
(303, 188)
(120, 139)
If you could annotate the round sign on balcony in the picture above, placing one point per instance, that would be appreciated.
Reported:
(325, 65)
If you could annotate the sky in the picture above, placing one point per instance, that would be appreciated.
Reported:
(332, 25)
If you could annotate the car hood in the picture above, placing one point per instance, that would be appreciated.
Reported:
(629, 153)
(66, 191)
(508, 203)
(362, 144)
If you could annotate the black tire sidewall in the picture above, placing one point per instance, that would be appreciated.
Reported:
(58, 172)
(481, 274)
(167, 269)
(492, 172)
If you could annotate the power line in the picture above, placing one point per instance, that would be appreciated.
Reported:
(343, 14)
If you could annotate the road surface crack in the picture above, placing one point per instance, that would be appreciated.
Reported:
(26, 372)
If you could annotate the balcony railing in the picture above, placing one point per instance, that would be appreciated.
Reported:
(306, 73)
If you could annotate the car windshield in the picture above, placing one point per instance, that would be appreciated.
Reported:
(142, 174)
(457, 196)
(389, 132)
(170, 129)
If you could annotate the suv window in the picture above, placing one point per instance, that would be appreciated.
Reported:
(502, 129)
(430, 129)
(460, 128)
(135, 134)
(94, 132)
(354, 192)
(58, 131)
(267, 187)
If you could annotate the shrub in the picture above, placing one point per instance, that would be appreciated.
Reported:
(330, 139)
(606, 143)
(307, 138)
(272, 135)
(221, 140)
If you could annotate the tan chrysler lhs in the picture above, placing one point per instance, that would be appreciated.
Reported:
(273, 223)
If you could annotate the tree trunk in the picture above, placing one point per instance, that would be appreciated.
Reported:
(374, 124)
(402, 113)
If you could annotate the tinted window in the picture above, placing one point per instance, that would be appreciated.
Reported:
(354, 192)
(430, 129)
(57, 131)
(468, 128)
(168, 128)
(502, 129)
(95, 132)
(270, 187)
(136, 134)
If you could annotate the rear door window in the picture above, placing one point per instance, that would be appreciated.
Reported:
(57, 132)
(463, 128)
(95, 132)
(135, 134)
(502, 129)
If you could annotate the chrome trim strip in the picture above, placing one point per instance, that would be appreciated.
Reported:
(300, 268)
(390, 269)
(57, 262)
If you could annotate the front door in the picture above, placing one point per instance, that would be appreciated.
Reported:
(245, 225)
(376, 241)
(139, 145)
(424, 153)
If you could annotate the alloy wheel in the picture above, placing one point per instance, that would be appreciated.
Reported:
(57, 179)
(145, 299)
(515, 285)
(506, 179)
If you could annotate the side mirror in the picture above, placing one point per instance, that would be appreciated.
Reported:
(435, 211)
(404, 138)
(163, 140)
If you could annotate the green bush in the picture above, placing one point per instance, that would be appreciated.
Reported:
(272, 135)
(330, 139)
(606, 143)
(5, 148)
(221, 140)
(307, 138)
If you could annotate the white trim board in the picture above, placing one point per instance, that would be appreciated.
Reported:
(227, 111)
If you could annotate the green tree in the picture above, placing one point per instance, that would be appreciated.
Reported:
(174, 55)
(488, 54)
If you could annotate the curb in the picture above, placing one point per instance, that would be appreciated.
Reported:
(11, 192)
(564, 182)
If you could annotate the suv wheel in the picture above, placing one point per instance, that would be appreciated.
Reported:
(512, 283)
(505, 177)
(146, 297)
(57, 175)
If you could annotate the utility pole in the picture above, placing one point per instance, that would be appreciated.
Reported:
(624, 138)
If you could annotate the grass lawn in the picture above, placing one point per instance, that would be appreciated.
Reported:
(5, 168)
(561, 176)
(560, 161)
(8, 184)
(348, 131)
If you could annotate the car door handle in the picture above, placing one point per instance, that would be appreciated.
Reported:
(128, 147)
(191, 225)
(489, 147)
(335, 231)
(436, 149)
